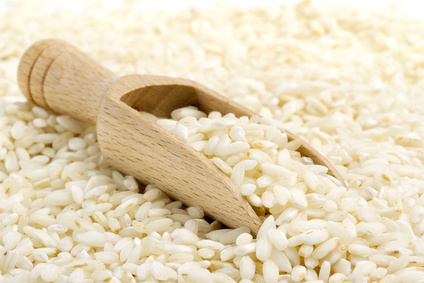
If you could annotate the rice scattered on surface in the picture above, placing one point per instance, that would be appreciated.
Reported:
(348, 81)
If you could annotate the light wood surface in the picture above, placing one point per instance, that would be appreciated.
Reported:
(58, 76)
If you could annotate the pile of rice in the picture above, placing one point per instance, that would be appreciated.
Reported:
(346, 80)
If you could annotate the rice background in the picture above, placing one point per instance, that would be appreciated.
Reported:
(347, 80)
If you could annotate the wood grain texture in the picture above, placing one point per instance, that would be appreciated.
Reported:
(40, 68)
(76, 85)
(58, 76)
(27, 62)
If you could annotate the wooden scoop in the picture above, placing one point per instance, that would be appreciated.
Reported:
(58, 76)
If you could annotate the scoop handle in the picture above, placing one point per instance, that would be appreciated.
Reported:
(58, 76)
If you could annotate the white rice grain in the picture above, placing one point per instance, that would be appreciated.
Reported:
(247, 268)
(270, 271)
(92, 238)
(263, 249)
(324, 273)
(278, 238)
(325, 248)
(298, 273)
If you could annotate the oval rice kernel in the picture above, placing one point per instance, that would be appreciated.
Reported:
(247, 268)
(268, 199)
(270, 271)
(247, 189)
(244, 238)
(245, 249)
(237, 133)
(325, 248)
(298, 273)
(106, 257)
(206, 253)
(263, 249)
(50, 272)
(92, 238)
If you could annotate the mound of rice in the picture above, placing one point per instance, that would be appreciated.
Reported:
(346, 80)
